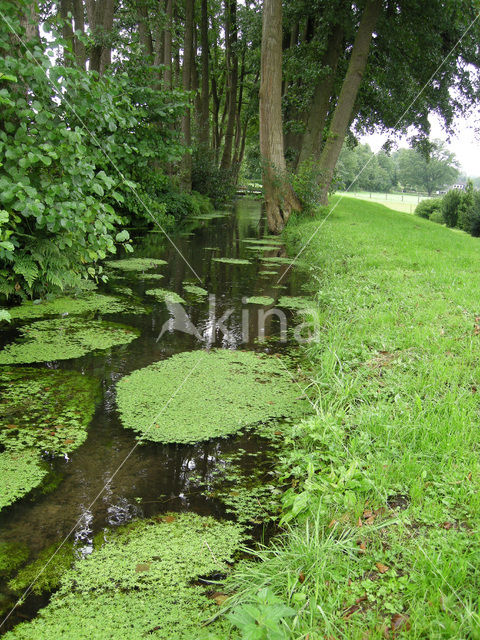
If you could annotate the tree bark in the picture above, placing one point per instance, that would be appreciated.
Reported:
(186, 168)
(167, 48)
(204, 131)
(348, 94)
(232, 80)
(280, 198)
(100, 18)
(144, 33)
(311, 144)
(79, 18)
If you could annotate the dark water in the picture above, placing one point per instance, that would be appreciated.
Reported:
(154, 478)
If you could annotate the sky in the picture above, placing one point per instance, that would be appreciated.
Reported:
(465, 143)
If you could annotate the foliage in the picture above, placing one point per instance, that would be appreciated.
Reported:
(63, 339)
(450, 207)
(437, 216)
(263, 617)
(306, 184)
(295, 302)
(359, 169)
(466, 208)
(49, 411)
(431, 167)
(163, 295)
(140, 583)
(425, 208)
(211, 180)
(216, 393)
(12, 555)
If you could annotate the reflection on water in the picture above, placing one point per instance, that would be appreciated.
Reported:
(154, 478)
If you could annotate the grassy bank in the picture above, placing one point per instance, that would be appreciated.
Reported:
(405, 202)
(383, 510)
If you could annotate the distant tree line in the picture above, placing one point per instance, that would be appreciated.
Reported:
(430, 168)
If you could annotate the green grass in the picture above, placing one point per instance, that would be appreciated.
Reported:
(382, 514)
(405, 202)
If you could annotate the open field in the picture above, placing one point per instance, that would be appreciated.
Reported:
(405, 202)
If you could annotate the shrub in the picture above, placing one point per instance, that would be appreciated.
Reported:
(426, 208)
(437, 216)
(465, 210)
(306, 185)
(209, 180)
(450, 207)
(475, 215)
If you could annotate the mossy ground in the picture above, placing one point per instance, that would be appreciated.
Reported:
(141, 584)
(63, 339)
(40, 410)
(200, 395)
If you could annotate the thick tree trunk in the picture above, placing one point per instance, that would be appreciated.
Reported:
(186, 168)
(348, 94)
(311, 145)
(280, 199)
(79, 18)
(100, 18)
(29, 21)
(203, 135)
(232, 80)
(106, 59)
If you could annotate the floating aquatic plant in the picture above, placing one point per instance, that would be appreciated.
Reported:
(163, 295)
(199, 395)
(261, 248)
(41, 410)
(266, 301)
(135, 264)
(267, 273)
(232, 260)
(139, 584)
(197, 292)
(94, 302)
(65, 338)
(45, 573)
(12, 556)
(263, 241)
(153, 276)
(296, 303)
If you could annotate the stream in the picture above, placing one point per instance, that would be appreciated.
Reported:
(155, 478)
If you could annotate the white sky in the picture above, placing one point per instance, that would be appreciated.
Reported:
(465, 143)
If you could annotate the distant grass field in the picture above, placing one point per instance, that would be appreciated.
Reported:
(405, 202)
(383, 502)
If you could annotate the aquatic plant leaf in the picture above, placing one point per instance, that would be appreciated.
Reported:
(104, 596)
(45, 572)
(266, 301)
(194, 290)
(94, 302)
(232, 260)
(225, 391)
(297, 303)
(163, 295)
(12, 555)
(135, 264)
(21, 471)
(65, 338)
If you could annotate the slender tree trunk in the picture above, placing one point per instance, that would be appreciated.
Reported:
(144, 33)
(232, 80)
(186, 169)
(348, 94)
(79, 18)
(167, 50)
(203, 136)
(280, 199)
(317, 117)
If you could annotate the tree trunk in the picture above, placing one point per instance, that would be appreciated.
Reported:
(100, 18)
(280, 199)
(311, 145)
(203, 136)
(79, 18)
(167, 49)
(186, 168)
(348, 95)
(67, 31)
(144, 33)
(29, 21)
(106, 59)
(232, 80)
